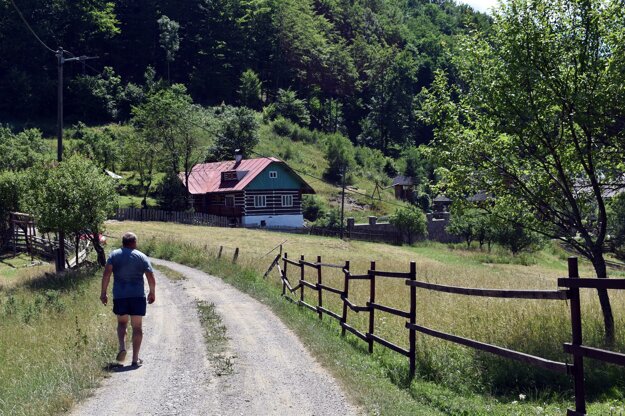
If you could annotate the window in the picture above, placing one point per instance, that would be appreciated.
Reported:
(273, 174)
(229, 176)
(260, 201)
(287, 200)
(229, 200)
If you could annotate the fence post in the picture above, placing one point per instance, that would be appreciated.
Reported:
(319, 290)
(302, 277)
(371, 302)
(236, 255)
(286, 256)
(413, 320)
(576, 331)
(221, 249)
(345, 296)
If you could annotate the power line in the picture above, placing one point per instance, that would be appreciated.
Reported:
(30, 28)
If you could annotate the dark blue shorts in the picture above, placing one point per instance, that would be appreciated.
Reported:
(129, 306)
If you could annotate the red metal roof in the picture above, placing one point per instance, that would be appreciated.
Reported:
(206, 177)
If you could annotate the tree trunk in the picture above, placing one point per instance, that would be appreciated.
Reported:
(608, 318)
(77, 248)
(95, 240)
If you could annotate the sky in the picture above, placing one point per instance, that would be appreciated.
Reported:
(481, 5)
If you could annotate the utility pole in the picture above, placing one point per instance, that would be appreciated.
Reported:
(60, 60)
(343, 199)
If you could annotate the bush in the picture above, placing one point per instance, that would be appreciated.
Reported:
(171, 194)
(250, 89)
(290, 107)
(21, 150)
(516, 238)
(286, 128)
(237, 129)
(410, 221)
(99, 145)
(312, 208)
(340, 156)
(330, 219)
(472, 224)
(282, 127)
(10, 189)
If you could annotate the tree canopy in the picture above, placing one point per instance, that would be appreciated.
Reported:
(357, 65)
(74, 196)
(537, 119)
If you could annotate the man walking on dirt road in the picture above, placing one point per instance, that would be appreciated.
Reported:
(127, 264)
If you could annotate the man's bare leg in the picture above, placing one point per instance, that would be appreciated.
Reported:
(122, 324)
(137, 336)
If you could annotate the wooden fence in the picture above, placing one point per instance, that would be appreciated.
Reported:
(569, 291)
(197, 218)
(35, 246)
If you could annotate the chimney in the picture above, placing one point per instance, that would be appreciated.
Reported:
(238, 156)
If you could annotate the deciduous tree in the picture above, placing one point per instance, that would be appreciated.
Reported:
(73, 196)
(538, 121)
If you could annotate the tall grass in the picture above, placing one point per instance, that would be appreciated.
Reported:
(479, 382)
(55, 339)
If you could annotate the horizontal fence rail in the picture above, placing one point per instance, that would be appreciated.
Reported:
(493, 293)
(568, 291)
(493, 349)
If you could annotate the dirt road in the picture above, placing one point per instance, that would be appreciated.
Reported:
(273, 374)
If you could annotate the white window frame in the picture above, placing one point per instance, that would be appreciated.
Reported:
(273, 174)
(287, 200)
(260, 201)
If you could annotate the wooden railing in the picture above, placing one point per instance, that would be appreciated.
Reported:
(569, 291)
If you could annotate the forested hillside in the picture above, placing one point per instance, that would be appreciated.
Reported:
(358, 64)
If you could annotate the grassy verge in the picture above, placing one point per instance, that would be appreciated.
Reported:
(452, 380)
(55, 339)
(170, 273)
(215, 338)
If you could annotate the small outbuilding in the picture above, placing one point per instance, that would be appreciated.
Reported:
(404, 188)
(260, 192)
(441, 204)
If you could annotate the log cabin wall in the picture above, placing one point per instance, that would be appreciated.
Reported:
(274, 202)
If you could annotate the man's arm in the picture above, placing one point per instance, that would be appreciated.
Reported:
(106, 278)
(152, 284)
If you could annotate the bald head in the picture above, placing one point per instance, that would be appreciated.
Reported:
(129, 240)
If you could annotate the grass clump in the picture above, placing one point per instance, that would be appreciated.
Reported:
(215, 338)
(55, 339)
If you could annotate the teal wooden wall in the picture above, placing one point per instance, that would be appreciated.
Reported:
(285, 179)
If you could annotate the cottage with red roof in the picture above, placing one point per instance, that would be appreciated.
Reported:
(261, 192)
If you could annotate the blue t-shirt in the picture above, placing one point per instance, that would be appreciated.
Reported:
(128, 268)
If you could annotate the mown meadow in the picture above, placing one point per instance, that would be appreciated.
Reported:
(451, 379)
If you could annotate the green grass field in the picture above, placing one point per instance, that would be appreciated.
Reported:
(453, 379)
(55, 338)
